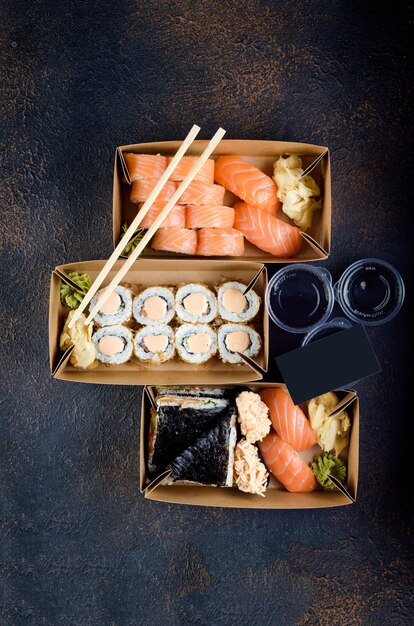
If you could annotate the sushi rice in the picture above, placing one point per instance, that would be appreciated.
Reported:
(150, 333)
(116, 331)
(185, 336)
(252, 303)
(189, 309)
(121, 316)
(229, 356)
(140, 313)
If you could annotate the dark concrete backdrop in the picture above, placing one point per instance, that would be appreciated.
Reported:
(80, 546)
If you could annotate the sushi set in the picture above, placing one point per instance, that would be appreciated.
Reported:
(198, 329)
(165, 324)
(248, 446)
(255, 205)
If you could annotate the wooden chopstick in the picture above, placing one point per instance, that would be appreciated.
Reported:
(136, 222)
(157, 223)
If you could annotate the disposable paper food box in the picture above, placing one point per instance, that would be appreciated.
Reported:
(262, 154)
(166, 272)
(276, 496)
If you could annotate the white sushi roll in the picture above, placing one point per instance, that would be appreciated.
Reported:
(154, 306)
(116, 310)
(154, 344)
(113, 344)
(195, 343)
(196, 304)
(236, 307)
(237, 338)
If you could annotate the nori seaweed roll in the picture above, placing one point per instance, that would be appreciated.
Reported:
(210, 460)
(195, 343)
(237, 338)
(154, 344)
(154, 306)
(113, 344)
(195, 303)
(177, 423)
(192, 391)
(236, 307)
(116, 310)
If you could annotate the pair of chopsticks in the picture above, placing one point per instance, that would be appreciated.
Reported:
(151, 231)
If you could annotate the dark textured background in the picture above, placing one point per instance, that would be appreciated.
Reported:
(80, 545)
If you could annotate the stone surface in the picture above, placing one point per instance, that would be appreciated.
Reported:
(80, 546)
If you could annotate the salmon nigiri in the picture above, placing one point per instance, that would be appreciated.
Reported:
(285, 463)
(247, 182)
(220, 242)
(200, 192)
(144, 165)
(184, 166)
(266, 231)
(174, 239)
(141, 189)
(209, 215)
(176, 216)
(288, 420)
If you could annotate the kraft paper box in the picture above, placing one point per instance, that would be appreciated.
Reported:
(276, 496)
(166, 272)
(262, 154)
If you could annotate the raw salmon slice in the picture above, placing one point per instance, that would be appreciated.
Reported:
(208, 215)
(141, 189)
(288, 420)
(266, 231)
(206, 173)
(285, 463)
(200, 192)
(220, 242)
(247, 182)
(145, 165)
(176, 216)
(175, 239)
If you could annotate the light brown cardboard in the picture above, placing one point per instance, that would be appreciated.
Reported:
(276, 497)
(63, 360)
(254, 280)
(65, 278)
(151, 272)
(125, 171)
(314, 163)
(317, 241)
(343, 404)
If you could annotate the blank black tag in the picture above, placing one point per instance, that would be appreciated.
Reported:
(330, 363)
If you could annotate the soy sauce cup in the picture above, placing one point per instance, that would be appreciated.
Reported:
(370, 291)
(326, 330)
(300, 298)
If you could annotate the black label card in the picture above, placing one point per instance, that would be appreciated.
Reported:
(328, 364)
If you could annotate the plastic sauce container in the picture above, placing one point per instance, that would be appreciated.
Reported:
(326, 330)
(300, 297)
(370, 292)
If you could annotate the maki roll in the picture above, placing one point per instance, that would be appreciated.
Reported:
(116, 310)
(178, 421)
(234, 306)
(210, 460)
(195, 343)
(237, 338)
(113, 344)
(154, 344)
(154, 306)
(192, 391)
(195, 303)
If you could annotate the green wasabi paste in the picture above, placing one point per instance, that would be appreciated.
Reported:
(328, 465)
(69, 296)
(130, 247)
